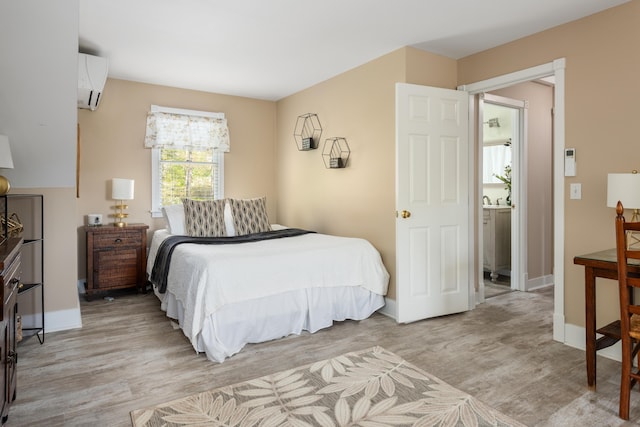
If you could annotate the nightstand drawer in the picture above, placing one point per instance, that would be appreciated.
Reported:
(116, 268)
(115, 240)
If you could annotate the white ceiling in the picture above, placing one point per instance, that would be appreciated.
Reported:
(269, 49)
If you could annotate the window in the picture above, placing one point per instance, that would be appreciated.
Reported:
(187, 155)
(185, 173)
(495, 158)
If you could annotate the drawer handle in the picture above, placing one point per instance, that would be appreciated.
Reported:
(118, 240)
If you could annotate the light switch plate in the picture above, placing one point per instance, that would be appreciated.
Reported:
(576, 191)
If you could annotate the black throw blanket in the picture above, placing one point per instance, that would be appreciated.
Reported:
(161, 264)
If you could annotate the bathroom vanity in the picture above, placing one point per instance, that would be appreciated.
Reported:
(496, 228)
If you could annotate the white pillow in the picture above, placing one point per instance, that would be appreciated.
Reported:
(174, 215)
(228, 220)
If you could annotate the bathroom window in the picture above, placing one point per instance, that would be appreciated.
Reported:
(495, 158)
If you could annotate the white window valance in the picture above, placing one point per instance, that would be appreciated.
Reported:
(193, 131)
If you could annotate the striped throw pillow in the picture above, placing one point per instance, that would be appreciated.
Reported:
(204, 218)
(249, 215)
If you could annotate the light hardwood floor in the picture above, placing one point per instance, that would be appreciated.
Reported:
(128, 356)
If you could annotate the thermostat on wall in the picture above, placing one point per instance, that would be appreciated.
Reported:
(570, 162)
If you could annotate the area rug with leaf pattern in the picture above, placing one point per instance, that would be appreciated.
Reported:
(369, 388)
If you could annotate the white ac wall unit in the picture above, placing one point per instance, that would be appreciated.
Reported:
(92, 75)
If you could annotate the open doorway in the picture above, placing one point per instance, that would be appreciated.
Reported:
(536, 247)
(502, 143)
(556, 69)
(554, 195)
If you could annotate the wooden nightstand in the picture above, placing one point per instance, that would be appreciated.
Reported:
(116, 257)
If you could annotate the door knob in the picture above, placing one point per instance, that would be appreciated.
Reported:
(405, 214)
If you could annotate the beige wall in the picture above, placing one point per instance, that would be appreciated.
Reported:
(60, 292)
(111, 146)
(602, 68)
(539, 164)
(38, 46)
(359, 105)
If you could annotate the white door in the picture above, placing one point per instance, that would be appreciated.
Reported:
(434, 260)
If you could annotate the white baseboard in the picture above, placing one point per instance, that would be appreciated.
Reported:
(539, 282)
(575, 337)
(559, 327)
(55, 321)
(389, 308)
(63, 320)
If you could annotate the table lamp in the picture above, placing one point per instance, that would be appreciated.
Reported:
(121, 190)
(625, 187)
(6, 162)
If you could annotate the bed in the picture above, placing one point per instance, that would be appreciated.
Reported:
(224, 296)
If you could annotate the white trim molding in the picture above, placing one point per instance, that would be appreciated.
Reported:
(555, 68)
(576, 338)
(389, 309)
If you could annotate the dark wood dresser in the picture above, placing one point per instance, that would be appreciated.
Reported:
(116, 257)
(10, 270)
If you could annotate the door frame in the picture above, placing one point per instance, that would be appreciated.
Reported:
(519, 202)
(557, 69)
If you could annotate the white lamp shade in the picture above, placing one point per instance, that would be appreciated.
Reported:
(122, 189)
(624, 187)
(6, 162)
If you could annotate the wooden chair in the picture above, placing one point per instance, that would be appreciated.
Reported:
(629, 312)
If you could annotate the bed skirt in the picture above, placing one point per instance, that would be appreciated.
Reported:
(227, 331)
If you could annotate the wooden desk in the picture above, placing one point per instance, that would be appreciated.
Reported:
(599, 264)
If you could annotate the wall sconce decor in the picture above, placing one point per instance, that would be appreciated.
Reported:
(335, 153)
(6, 162)
(307, 132)
(121, 189)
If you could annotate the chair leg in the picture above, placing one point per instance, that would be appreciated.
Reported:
(625, 379)
(637, 368)
(624, 398)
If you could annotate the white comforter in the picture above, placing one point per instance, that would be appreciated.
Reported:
(205, 280)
